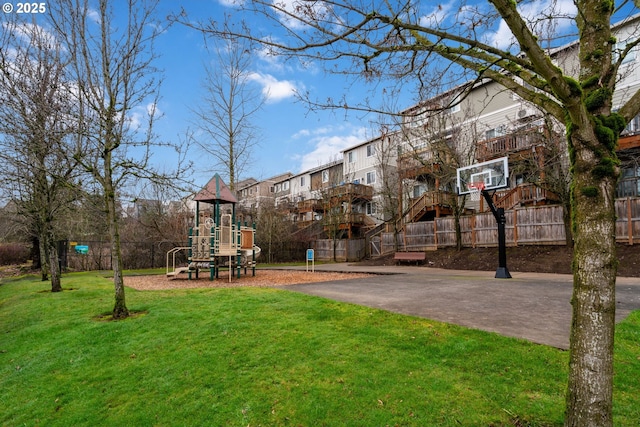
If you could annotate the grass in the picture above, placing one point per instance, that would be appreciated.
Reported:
(255, 356)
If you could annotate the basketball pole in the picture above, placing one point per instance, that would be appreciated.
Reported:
(502, 272)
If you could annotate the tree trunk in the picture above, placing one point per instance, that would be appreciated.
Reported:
(458, 209)
(35, 253)
(590, 387)
(120, 310)
(566, 218)
(54, 266)
(43, 248)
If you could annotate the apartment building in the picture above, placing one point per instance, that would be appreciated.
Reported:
(483, 121)
(350, 195)
(253, 194)
(373, 163)
(410, 173)
(629, 83)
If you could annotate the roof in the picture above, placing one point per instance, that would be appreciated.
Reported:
(216, 191)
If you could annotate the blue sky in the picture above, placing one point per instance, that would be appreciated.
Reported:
(292, 138)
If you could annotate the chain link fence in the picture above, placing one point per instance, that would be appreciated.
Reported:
(96, 254)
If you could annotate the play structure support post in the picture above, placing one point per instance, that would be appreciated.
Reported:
(212, 264)
(502, 272)
(253, 252)
(238, 237)
(190, 253)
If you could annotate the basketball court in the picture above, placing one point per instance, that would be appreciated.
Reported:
(532, 306)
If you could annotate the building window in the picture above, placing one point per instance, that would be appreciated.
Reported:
(419, 190)
(633, 126)
(454, 109)
(619, 48)
(302, 181)
(629, 184)
(371, 150)
(325, 176)
(371, 208)
(351, 156)
(496, 132)
(371, 177)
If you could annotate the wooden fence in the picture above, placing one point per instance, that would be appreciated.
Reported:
(541, 225)
(345, 250)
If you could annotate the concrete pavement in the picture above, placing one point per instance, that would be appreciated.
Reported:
(532, 306)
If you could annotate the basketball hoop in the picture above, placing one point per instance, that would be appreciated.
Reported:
(475, 190)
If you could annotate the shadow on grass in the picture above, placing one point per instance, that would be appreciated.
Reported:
(108, 316)
(48, 291)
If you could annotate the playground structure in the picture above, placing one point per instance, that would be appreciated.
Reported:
(217, 240)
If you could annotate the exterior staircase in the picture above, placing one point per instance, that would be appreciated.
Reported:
(426, 202)
(523, 195)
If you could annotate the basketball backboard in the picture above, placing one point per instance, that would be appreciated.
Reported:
(493, 174)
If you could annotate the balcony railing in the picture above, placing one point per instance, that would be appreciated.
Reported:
(523, 194)
(347, 219)
(628, 141)
(311, 205)
(511, 143)
(351, 191)
(422, 161)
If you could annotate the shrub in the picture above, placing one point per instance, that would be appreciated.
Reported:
(13, 253)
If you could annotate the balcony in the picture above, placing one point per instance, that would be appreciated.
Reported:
(423, 161)
(523, 195)
(344, 220)
(311, 205)
(350, 192)
(629, 141)
(512, 143)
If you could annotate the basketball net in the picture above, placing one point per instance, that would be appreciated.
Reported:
(475, 190)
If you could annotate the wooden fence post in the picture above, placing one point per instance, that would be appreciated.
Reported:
(435, 232)
(473, 230)
(515, 227)
(629, 222)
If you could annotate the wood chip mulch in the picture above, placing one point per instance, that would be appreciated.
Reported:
(263, 278)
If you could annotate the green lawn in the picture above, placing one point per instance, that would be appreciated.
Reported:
(250, 357)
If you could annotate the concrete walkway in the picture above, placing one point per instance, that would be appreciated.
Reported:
(532, 306)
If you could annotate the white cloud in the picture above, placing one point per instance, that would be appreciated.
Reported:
(269, 57)
(273, 89)
(532, 12)
(231, 3)
(438, 14)
(29, 31)
(94, 15)
(288, 10)
(141, 115)
(328, 143)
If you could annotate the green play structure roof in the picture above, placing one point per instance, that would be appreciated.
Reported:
(216, 191)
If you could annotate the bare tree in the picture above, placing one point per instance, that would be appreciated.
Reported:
(112, 57)
(226, 118)
(273, 230)
(435, 145)
(386, 152)
(547, 167)
(404, 41)
(36, 123)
